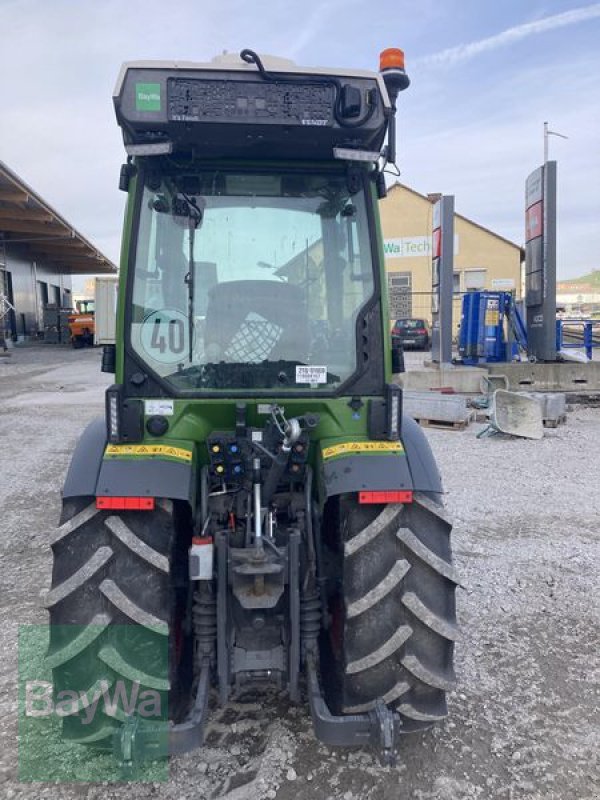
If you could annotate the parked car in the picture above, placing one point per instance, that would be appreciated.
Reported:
(411, 332)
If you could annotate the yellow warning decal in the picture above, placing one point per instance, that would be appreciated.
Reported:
(356, 448)
(148, 450)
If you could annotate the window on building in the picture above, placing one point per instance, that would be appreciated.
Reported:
(400, 295)
(456, 282)
(475, 279)
(42, 292)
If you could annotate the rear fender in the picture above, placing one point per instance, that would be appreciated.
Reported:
(424, 471)
(84, 469)
(407, 465)
(94, 470)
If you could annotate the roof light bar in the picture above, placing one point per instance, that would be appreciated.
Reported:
(348, 154)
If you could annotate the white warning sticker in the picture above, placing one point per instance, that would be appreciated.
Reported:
(311, 374)
(162, 407)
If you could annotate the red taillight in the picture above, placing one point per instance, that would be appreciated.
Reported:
(385, 497)
(125, 503)
(395, 331)
(421, 330)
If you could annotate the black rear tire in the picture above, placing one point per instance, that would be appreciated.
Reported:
(393, 613)
(111, 570)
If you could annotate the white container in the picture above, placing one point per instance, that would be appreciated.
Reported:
(106, 309)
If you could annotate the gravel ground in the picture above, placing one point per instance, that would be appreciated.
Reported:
(524, 721)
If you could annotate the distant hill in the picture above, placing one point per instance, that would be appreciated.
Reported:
(591, 279)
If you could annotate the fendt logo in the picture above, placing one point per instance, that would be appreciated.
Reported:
(41, 701)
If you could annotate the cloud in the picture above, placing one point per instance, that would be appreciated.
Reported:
(465, 52)
(483, 152)
(315, 24)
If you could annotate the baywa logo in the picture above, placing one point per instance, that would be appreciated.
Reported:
(147, 96)
(41, 700)
(80, 688)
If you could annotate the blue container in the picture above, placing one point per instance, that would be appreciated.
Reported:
(482, 336)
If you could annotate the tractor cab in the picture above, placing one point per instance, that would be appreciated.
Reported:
(254, 255)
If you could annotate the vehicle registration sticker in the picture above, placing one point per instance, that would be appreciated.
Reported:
(162, 407)
(311, 374)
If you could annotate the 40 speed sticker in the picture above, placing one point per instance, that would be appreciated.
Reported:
(165, 336)
(359, 448)
(145, 450)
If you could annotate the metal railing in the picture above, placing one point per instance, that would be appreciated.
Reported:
(578, 334)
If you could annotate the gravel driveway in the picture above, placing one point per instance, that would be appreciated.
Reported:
(524, 721)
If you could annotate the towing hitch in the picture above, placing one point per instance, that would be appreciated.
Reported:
(377, 729)
(139, 741)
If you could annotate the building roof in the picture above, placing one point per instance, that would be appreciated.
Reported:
(25, 218)
(432, 198)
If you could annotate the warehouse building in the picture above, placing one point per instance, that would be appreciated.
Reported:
(482, 258)
(39, 252)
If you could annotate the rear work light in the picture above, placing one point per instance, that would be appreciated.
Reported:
(125, 503)
(385, 497)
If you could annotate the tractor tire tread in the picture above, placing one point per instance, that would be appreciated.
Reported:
(93, 595)
(399, 615)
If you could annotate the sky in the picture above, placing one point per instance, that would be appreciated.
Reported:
(485, 75)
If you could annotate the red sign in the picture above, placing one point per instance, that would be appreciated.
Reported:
(437, 243)
(534, 221)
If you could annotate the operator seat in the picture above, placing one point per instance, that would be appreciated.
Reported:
(252, 321)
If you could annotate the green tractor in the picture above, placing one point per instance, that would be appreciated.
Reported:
(254, 509)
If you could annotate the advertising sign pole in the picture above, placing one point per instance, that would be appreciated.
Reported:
(540, 262)
(442, 269)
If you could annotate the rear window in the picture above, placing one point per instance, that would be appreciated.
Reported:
(409, 324)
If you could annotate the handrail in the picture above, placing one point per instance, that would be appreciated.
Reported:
(588, 342)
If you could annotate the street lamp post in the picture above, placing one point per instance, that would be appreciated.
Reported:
(548, 133)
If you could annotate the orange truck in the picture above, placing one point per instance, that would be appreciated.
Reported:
(82, 324)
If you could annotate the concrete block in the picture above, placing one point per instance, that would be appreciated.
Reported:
(464, 380)
(552, 377)
(553, 406)
(433, 406)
